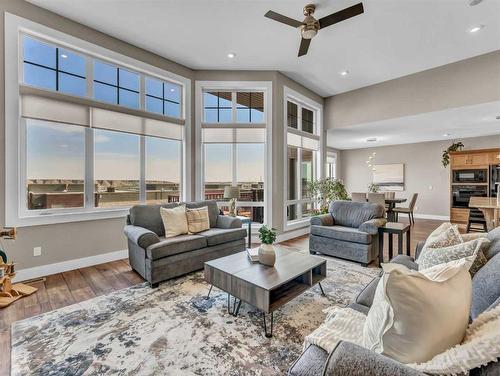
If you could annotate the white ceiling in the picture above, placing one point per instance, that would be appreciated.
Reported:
(391, 39)
(463, 122)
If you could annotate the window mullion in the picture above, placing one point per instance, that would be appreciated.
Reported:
(298, 181)
(89, 167)
(233, 160)
(233, 107)
(142, 168)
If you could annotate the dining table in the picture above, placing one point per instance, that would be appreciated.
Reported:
(490, 207)
(391, 204)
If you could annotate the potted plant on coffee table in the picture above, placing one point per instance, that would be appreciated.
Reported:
(267, 254)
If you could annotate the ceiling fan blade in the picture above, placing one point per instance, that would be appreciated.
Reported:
(304, 46)
(341, 15)
(283, 19)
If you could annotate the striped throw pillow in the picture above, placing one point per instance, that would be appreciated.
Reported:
(198, 220)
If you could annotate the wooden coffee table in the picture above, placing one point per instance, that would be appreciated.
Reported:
(266, 288)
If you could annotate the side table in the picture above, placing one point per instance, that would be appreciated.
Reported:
(249, 231)
(393, 228)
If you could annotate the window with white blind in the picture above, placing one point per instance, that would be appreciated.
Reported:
(95, 136)
(233, 131)
(303, 155)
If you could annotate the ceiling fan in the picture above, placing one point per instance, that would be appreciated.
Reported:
(310, 26)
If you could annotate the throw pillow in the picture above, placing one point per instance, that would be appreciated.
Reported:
(430, 257)
(480, 346)
(418, 314)
(198, 220)
(450, 236)
(174, 221)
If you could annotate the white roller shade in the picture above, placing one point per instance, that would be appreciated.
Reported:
(41, 108)
(299, 141)
(234, 135)
(116, 121)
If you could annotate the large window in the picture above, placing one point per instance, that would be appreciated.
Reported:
(331, 164)
(234, 149)
(302, 158)
(76, 159)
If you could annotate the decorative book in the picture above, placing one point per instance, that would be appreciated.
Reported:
(253, 254)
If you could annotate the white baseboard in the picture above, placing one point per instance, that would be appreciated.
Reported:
(292, 234)
(64, 266)
(431, 216)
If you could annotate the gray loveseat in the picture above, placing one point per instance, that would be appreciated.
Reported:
(351, 360)
(348, 231)
(157, 258)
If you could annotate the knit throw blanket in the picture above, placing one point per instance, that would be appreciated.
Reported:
(480, 346)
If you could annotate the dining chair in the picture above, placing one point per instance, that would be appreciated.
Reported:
(390, 195)
(408, 210)
(358, 197)
(377, 198)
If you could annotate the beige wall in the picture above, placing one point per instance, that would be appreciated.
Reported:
(467, 82)
(423, 170)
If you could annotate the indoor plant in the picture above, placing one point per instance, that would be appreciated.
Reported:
(446, 153)
(267, 254)
(325, 191)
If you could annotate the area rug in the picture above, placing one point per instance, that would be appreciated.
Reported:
(175, 330)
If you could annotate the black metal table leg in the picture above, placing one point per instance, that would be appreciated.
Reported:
(400, 244)
(268, 334)
(250, 235)
(321, 288)
(380, 248)
(209, 291)
(408, 242)
(390, 246)
(237, 308)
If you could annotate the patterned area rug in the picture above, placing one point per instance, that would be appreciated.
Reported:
(175, 330)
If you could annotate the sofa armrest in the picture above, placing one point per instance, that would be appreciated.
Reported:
(141, 236)
(418, 249)
(372, 225)
(226, 221)
(323, 220)
(349, 359)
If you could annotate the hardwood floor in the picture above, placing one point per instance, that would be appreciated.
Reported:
(63, 289)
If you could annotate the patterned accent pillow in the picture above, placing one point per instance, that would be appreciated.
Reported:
(450, 236)
(434, 256)
(198, 220)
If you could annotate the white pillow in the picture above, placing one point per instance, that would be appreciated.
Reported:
(417, 315)
(174, 221)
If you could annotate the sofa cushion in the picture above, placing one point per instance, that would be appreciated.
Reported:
(348, 234)
(353, 214)
(494, 248)
(148, 216)
(360, 308)
(485, 286)
(172, 246)
(213, 209)
(219, 236)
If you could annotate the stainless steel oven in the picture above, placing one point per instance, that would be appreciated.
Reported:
(470, 176)
(461, 194)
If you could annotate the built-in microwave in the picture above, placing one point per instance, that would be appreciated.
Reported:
(470, 176)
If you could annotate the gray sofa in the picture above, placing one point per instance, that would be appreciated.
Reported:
(348, 231)
(157, 258)
(351, 360)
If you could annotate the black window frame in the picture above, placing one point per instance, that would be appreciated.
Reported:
(57, 70)
(163, 95)
(218, 107)
(117, 86)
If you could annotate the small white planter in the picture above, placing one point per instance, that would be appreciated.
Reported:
(267, 254)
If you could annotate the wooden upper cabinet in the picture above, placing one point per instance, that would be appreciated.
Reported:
(474, 160)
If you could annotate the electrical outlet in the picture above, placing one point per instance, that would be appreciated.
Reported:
(37, 251)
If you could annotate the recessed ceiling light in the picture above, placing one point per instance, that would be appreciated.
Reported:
(446, 135)
(64, 56)
(344, 73)
(371, 139)
(231, 55)
(475, 29)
